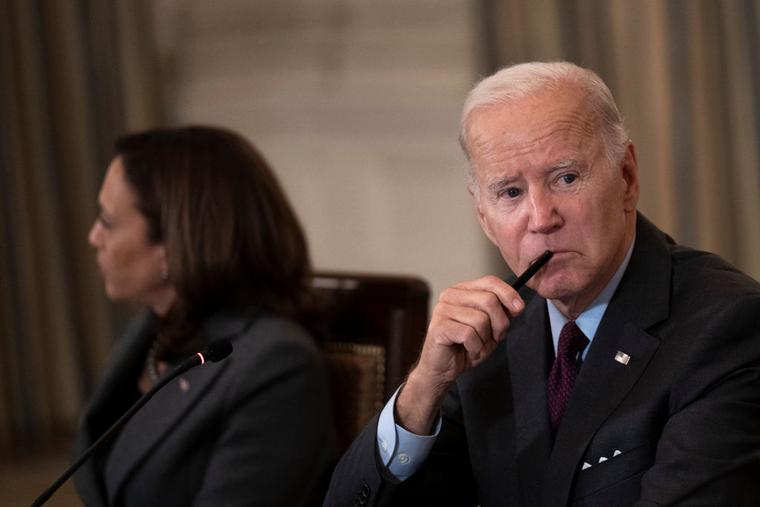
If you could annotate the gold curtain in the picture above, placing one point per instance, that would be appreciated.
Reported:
(71, 79)
(686, 75)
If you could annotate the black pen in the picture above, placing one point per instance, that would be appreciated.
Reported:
(532, 269)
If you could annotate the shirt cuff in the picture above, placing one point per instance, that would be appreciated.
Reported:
(402, 452)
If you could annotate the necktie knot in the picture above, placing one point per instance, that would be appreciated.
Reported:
(572, 341)
(562, 376)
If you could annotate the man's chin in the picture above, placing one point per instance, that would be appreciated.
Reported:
(554, 289)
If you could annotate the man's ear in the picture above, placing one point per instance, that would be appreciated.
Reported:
(483, 219)
(630, 174)
(474, 191)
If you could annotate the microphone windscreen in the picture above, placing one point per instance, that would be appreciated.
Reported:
(217, 350)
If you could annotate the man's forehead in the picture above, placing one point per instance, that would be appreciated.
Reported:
(536, 112)
(557, 138)
(528, 125)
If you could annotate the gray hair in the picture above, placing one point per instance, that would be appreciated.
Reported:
(528, 79)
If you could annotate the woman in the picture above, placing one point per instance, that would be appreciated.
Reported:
(194, 226)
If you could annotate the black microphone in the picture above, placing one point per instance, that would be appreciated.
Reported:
(214, 352)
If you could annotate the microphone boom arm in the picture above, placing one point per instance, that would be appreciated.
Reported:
(214, 352)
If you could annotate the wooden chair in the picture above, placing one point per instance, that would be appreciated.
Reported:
(372, 328)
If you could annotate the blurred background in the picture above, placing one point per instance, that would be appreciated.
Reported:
(356, 105)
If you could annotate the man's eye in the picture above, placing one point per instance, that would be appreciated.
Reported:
(512, 192)
(568, 178)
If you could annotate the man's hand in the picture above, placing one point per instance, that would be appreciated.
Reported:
(469, 321)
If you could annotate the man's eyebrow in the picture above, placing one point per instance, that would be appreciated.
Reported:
(499, 184)
(563, 164)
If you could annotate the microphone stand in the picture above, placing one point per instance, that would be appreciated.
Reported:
(214, 352)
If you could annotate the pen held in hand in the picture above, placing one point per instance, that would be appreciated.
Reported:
(532, 269)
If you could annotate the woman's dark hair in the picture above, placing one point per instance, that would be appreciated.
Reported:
(230, 234)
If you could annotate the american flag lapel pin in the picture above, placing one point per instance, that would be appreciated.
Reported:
(622, 358)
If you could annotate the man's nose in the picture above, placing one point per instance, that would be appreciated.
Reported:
(544, 214)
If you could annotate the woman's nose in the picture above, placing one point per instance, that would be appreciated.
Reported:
(94, 236)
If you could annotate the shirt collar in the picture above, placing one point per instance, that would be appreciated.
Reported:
(589, 319)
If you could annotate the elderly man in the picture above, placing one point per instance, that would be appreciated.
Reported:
(628, 372)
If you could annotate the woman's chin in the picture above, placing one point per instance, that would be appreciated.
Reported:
(113, 293)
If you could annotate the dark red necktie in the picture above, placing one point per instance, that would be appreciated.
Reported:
(572, 341)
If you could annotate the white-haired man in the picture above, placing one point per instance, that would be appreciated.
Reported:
(628, 372)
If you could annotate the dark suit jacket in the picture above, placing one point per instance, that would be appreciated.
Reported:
(253, 429)
(684, 413)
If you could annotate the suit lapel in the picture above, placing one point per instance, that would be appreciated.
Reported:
(641, 300)
(530, 352)
(126, 361)
(169, 407)
(155, 421)
(602, 384)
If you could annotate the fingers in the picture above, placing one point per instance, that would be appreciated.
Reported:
(471, 319)
(494, 302)
(465, 327)
(506, 295)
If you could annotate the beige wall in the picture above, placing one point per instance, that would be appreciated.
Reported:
(356, 105)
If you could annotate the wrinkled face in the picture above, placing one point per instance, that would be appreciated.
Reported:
(132, 266)
(542, 182)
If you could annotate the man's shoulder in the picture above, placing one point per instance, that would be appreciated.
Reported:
(693, 271)
(710, 276)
